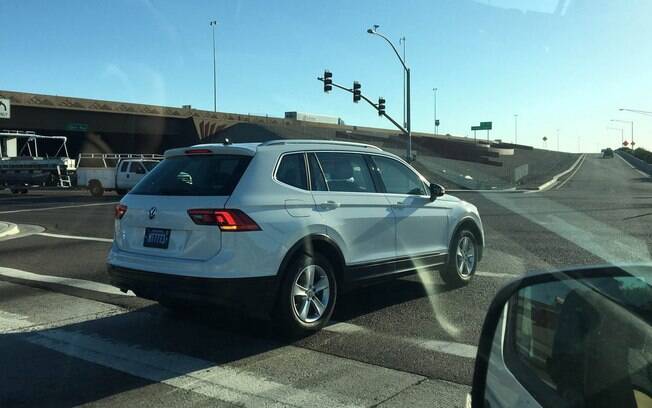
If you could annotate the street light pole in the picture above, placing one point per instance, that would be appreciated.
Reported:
(557, 139)
(434, 90)
(213, 24)
(402, 41)
(622, 137)
(631, 122)
(408, 124)
(515, 128)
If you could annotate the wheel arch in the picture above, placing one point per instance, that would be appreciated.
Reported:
(316, 243)
(470, 224)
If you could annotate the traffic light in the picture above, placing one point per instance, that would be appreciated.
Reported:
(328, 81)
(356, 91)
(381, 106)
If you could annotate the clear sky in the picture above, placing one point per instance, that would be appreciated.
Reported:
(558, 64)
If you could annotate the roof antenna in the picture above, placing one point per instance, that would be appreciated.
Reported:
(227, 141)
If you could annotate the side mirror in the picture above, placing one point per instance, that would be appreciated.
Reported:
(436, 190)
(574, 338)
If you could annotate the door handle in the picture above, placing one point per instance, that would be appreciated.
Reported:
(329, 205)
(127, 175)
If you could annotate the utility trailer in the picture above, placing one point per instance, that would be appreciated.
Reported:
(24, 168)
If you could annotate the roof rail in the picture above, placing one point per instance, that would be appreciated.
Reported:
(313, 141)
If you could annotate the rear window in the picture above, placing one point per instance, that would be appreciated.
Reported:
(209, 175)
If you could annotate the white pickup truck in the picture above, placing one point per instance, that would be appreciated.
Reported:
(113, 171)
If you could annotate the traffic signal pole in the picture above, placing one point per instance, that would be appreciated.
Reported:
(375, 106)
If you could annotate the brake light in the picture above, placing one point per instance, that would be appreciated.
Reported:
(226, 220)
(120, 211)
(199, 151)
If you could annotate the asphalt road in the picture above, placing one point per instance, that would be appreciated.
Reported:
(408, 342)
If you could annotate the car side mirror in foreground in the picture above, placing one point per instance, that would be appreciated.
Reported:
(574, 338)
(436, 190)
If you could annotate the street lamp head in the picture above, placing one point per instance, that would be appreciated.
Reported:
(373, 30)
(370, 31)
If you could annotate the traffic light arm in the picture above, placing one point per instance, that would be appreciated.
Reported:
(375, 106)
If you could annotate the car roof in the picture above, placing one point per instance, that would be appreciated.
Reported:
(282, 145)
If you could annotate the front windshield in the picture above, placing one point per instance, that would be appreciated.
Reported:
(409, 160)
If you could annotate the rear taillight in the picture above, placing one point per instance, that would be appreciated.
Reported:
(120, 211)
(227, 220)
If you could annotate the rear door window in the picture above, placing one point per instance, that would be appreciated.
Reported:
(123, 167)
(292, 171)
(346, 172)
(199, 175)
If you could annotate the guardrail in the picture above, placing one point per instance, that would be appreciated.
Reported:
(636, 162)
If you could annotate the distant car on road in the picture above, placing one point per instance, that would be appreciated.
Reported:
(121, 177)
(607, 153)
(283, 227)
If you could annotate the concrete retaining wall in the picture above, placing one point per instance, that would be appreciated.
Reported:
(636, 162)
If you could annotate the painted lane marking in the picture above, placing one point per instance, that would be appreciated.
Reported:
(58, 280)
(203, 377)
(82, 238)
(571, 176)
(497, 275)
(56, 208)
(445, 347)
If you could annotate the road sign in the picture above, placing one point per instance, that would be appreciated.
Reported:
(5, 108)
(483, 126)
(625, 143)
(437, 122)
(77, 127)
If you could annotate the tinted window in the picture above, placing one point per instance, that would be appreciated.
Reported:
(137, 168)
(123, 166)
(317, 180)
(346, 172)
(194, 175)
(149, 165)
(292, 171)
(398, 178)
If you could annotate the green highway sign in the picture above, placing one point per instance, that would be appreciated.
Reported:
(77, 127)
(483, 126)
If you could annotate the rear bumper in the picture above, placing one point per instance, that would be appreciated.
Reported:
(255, 296)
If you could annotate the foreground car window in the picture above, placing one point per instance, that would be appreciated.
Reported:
(346, 172)
(292, 171)
(397, 178)
(194, 175)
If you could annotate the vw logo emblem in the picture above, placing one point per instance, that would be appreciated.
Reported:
(152, 213)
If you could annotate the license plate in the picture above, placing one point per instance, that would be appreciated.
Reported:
(156, 238)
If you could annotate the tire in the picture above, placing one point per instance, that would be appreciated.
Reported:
(23, 191)
(295, 317)
(96, 189)
(121, 191)
(457, 272)
(15, 191)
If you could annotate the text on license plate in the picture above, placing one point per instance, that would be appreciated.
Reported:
(156, 238)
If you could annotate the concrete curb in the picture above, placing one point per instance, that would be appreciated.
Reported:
(555, 179)
(7, 228)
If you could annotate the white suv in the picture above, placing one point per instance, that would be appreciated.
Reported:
(281, 228)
